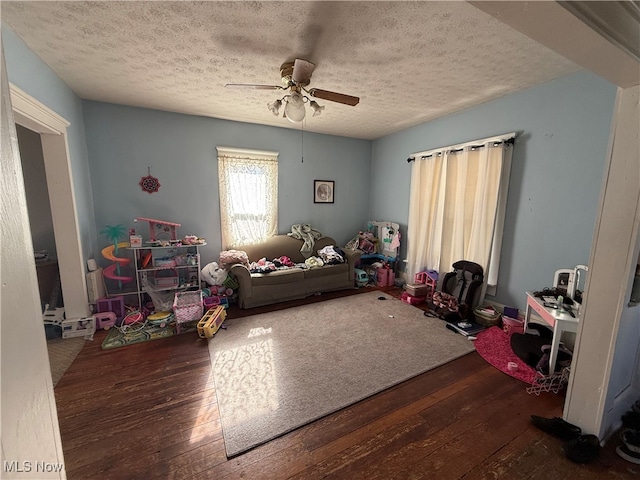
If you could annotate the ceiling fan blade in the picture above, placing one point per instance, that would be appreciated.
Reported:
(302, 71)
(334, 97)
(254, 86)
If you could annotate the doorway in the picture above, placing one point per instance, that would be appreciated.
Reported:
(52, 129)
(40, 219)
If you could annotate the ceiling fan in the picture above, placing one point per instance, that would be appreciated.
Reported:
(296, 76)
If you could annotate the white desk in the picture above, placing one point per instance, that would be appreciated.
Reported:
(559, 321)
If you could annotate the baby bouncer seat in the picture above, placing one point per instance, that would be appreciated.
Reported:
(459, 292)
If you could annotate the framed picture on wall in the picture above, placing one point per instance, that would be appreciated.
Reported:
(323, 191)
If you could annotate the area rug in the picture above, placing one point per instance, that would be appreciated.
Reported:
(115, 338)
(277, 371)
(494, 346)
(62, 353)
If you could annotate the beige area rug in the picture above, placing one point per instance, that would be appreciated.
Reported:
(277, 371)
(62, 353)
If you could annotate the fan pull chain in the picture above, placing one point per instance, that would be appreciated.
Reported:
(302, 142)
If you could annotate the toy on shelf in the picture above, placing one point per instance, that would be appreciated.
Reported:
(113, 272)
(162, 226)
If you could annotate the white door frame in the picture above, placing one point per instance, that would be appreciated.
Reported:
(30, 113)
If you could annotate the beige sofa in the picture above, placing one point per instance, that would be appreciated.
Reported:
(281, 285)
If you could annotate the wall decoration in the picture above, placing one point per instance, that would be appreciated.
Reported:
(149, 184)
(323, 191)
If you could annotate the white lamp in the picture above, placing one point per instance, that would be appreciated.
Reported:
(317, 109)
(274, 107)
(294, 109)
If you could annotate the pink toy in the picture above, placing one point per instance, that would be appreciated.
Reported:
(211, 302)
(133, 317)
(114, 304)
(110, 271)
(105, 320)
(411, 300)
(169, 227)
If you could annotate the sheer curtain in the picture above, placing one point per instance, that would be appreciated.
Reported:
(457, 206)
(248, 182)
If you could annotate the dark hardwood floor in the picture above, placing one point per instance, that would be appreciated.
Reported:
(149, 411)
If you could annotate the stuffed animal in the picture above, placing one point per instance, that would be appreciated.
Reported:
(213, 274)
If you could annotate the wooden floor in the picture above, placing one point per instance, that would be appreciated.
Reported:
(149, 411)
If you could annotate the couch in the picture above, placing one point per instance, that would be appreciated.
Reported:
(258, 289)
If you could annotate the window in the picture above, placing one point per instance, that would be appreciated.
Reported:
(248, 181)
(457, 206)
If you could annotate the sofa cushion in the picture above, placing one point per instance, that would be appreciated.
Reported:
(327, 270)
(278, 277)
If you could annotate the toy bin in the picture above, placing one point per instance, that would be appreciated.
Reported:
(417, 289)
(187, 308)
(512, 325)
(382, 277)
(487, 315)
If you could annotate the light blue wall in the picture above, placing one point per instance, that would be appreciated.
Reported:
(181, 151)
(556, 174)
(26, 71)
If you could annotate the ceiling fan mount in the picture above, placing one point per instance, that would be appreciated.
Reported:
(286, 73)
(296, 76)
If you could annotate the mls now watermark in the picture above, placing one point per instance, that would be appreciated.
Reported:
(28, 466)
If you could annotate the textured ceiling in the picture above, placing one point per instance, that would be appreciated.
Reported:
(409, 62)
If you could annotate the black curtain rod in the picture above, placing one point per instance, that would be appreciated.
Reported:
(509, 141)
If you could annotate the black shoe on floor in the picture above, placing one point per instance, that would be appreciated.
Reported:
(631, 440)
(583, 449)
(557, 427)
(628, 455)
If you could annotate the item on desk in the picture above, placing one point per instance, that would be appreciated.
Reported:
(560, 302)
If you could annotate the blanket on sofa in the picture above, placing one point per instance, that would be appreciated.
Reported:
(308, 235)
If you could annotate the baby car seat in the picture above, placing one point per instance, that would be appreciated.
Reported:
(463, 283)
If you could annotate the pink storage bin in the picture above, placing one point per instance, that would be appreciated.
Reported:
(411, 300)
(512, 325)
(382, 277)
(385, 277)
(211, 302)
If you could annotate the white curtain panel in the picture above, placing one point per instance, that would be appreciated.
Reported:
(456, 210)
(426, 213)
(248, 198)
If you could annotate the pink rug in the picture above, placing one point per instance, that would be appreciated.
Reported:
(494, 346)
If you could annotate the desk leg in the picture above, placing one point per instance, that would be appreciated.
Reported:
(555, 343)
(527, 317)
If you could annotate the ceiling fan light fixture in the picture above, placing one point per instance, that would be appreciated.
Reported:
(294, 109)
(275, 107)
(317, 109)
